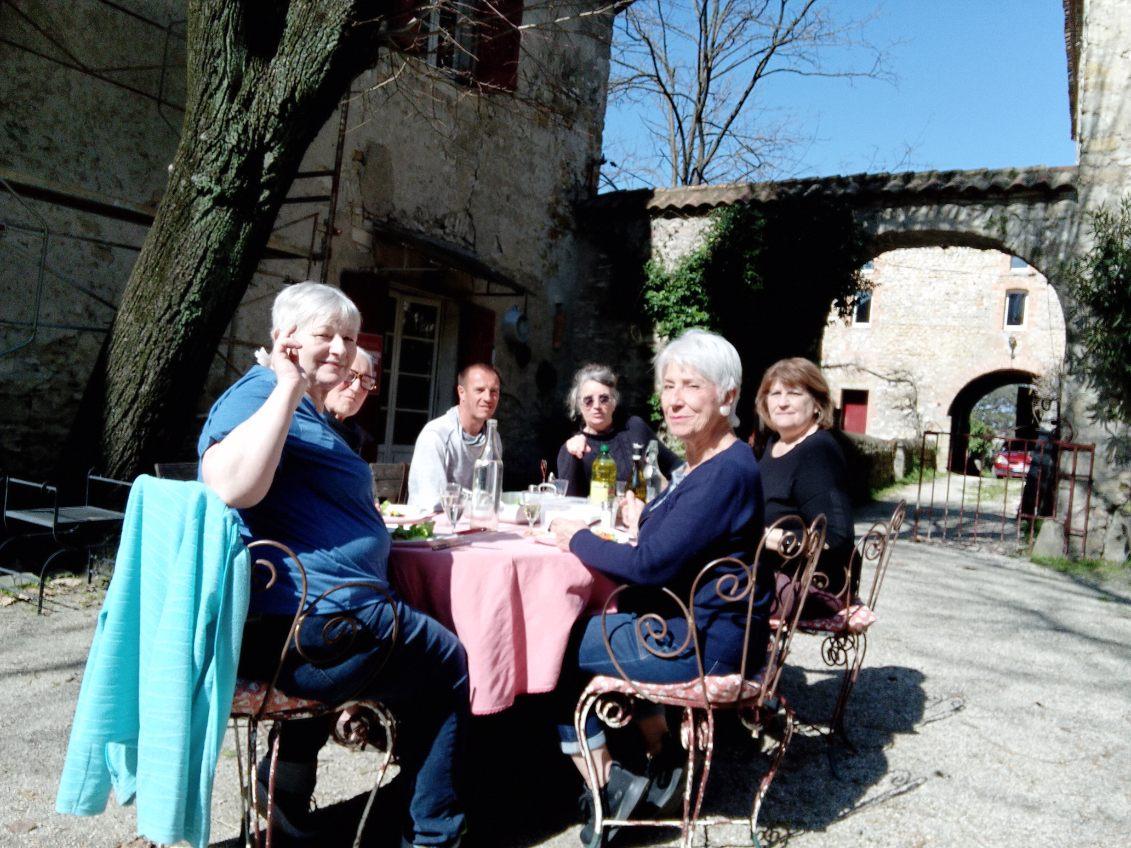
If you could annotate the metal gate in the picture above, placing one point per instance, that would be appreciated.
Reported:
(1003, 490)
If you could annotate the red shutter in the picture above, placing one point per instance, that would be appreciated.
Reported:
(497, 52)
(854, 406)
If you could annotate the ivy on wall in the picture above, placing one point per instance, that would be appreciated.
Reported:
(764, 276)
(1100, 284)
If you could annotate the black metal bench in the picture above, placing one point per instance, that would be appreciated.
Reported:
(77, 528)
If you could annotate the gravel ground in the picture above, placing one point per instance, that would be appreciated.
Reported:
(994, 709)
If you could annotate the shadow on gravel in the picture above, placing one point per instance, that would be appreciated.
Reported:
(523, 792)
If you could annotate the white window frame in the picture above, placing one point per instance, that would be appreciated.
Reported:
(1024, 309)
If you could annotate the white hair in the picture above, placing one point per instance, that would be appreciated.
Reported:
(368, 357)
(708, 354)
(304, 304)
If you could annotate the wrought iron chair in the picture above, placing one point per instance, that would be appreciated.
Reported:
(258, 701)
(79, 528)
(845, 634)
(390, 481)
(754, 697)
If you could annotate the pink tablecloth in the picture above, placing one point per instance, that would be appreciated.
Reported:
(511, 601)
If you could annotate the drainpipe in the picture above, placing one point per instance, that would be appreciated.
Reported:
(46, 232)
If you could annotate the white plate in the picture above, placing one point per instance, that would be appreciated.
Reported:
(409, 514)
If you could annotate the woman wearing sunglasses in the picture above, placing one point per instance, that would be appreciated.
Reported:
(593, 400)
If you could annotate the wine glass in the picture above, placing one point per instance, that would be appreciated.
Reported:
(531, 504)
(453, 503)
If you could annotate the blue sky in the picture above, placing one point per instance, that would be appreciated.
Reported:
(977, 84)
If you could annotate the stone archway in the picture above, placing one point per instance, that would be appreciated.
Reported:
(963, 403)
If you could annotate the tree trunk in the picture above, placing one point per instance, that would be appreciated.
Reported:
(262, 80)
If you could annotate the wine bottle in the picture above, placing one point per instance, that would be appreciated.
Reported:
(637, 482)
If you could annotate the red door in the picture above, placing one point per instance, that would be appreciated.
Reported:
(854, 410)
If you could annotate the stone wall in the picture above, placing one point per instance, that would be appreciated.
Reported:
(493, 175)
(937, 322)
(1103, 136)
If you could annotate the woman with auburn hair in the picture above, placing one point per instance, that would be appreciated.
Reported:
(804, 472)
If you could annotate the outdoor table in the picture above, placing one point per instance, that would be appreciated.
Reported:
(511, 601)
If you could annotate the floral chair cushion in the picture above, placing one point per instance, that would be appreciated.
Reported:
(249, 697)
(857, 618)
(720, 689)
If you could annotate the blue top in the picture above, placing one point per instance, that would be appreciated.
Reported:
(157, 690)
(320, 503)
(714, 511)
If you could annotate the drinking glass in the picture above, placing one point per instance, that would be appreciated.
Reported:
(531, 503)
(621, 486)
(561, 486)
(453, 503)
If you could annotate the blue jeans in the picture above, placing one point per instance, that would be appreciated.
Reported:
(586, 657)
(424, 683)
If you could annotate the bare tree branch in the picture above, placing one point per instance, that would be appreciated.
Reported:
(695, 69)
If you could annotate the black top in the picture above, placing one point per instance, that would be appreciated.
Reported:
(619, 438)
(353, 434)
(810, 480)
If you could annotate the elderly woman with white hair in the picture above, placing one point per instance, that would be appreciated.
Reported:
(268, 451)
(593, 399)
(713, 508)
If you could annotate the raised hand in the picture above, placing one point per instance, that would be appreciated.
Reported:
(577, 445)
(284, 362)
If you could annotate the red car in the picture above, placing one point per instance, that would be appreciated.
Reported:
(1011, 463)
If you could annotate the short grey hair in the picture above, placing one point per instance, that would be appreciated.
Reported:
(602, 374)
(303, 304)
(710, 355)
(368, 357)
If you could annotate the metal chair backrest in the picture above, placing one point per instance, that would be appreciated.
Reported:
(176, 470)
(733, 582)
(390, 481)
(875, 547)
(342, 622)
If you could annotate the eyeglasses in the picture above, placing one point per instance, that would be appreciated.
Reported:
(368, 383)
(599, 400)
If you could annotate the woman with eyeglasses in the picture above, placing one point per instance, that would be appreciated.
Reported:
(345, 400)
(593, 400)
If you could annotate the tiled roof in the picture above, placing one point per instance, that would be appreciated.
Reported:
(883, 187)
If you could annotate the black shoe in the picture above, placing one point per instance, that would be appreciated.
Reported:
(619, 799)
(665, 774)
(294, 788)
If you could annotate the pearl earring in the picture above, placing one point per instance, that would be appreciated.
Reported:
(724, 410)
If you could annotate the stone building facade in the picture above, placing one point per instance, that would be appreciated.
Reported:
(937, 320)
(444, 208)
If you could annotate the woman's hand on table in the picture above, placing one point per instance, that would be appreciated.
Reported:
(577, 445)
(564, 530)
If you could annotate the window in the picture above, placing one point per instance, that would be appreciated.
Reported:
(412, 335)
(1016, 263)
(476, 41)
(862, 312)
(1015, 308)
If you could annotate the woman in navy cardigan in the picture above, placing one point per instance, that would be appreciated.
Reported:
(712, 509)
